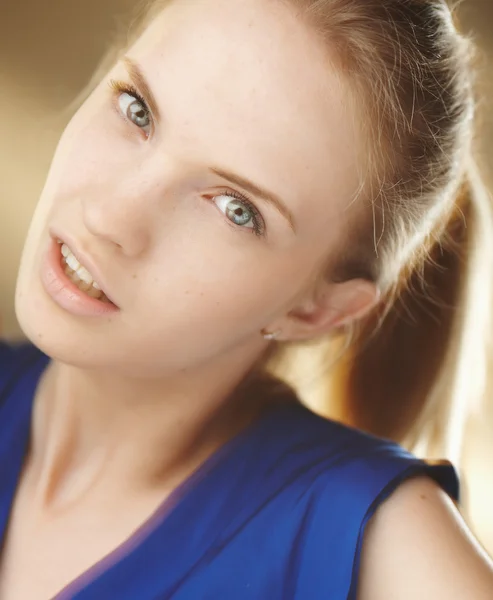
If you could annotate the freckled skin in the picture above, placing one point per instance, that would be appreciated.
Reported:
(136, 401)
(138, 207)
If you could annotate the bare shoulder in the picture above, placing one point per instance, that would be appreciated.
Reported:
(418, 546)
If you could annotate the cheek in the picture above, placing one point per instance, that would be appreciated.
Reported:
(68, 171)
(90, 144)
(76, 162)
(81, 156)
(210, 287)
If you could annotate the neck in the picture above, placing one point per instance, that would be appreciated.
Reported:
(93, 428)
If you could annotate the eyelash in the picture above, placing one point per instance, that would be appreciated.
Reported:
(120, 87)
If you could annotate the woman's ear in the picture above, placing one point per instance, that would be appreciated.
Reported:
(331, 306)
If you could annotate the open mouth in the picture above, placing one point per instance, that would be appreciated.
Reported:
(79, 275)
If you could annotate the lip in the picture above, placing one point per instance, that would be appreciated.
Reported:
(63, 291)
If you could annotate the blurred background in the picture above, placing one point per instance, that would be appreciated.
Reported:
(48, 50)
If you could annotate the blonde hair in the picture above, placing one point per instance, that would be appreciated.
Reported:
(416, 367)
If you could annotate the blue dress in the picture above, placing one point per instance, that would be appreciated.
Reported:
(278, 513)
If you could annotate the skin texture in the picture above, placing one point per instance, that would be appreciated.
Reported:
(417, 546)
(186, 280)
(132, 403)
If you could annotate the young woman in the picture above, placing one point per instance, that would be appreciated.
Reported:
(250, 176)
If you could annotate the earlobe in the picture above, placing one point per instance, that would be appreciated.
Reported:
(270, 335)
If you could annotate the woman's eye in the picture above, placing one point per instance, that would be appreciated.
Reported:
(135, 111)
(240, 212)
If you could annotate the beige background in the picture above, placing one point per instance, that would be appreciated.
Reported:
(48, 49)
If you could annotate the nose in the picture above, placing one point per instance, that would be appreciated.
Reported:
(120, 214)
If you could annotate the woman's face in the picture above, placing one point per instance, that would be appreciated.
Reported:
(207, 217)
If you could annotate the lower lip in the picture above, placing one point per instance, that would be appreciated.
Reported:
(64, 292)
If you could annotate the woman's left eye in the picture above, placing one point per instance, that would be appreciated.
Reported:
(132, 106)
(241, 212)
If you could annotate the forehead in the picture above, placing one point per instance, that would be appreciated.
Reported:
(247, 86)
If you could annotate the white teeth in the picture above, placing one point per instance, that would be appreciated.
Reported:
(77, 271)
(72, 262)
(84, 274)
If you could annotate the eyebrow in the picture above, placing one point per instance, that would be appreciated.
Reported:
(255, 190)
(140, 82)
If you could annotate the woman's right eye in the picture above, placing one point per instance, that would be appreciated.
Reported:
(135, 111)
(132, 106)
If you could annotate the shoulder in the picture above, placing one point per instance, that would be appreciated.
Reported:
(345, 477)
(416, 545)
(17, 352)
(18, 359)
(349, 461)
(10, 354)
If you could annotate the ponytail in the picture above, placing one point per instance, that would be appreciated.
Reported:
(418, 375)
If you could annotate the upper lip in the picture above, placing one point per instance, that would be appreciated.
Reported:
(85, 259)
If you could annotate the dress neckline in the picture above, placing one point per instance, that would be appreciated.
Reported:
(18, 410)
(162, 512)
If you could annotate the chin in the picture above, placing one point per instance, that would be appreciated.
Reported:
(44, 326)
(58, 334)
(55, 331)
